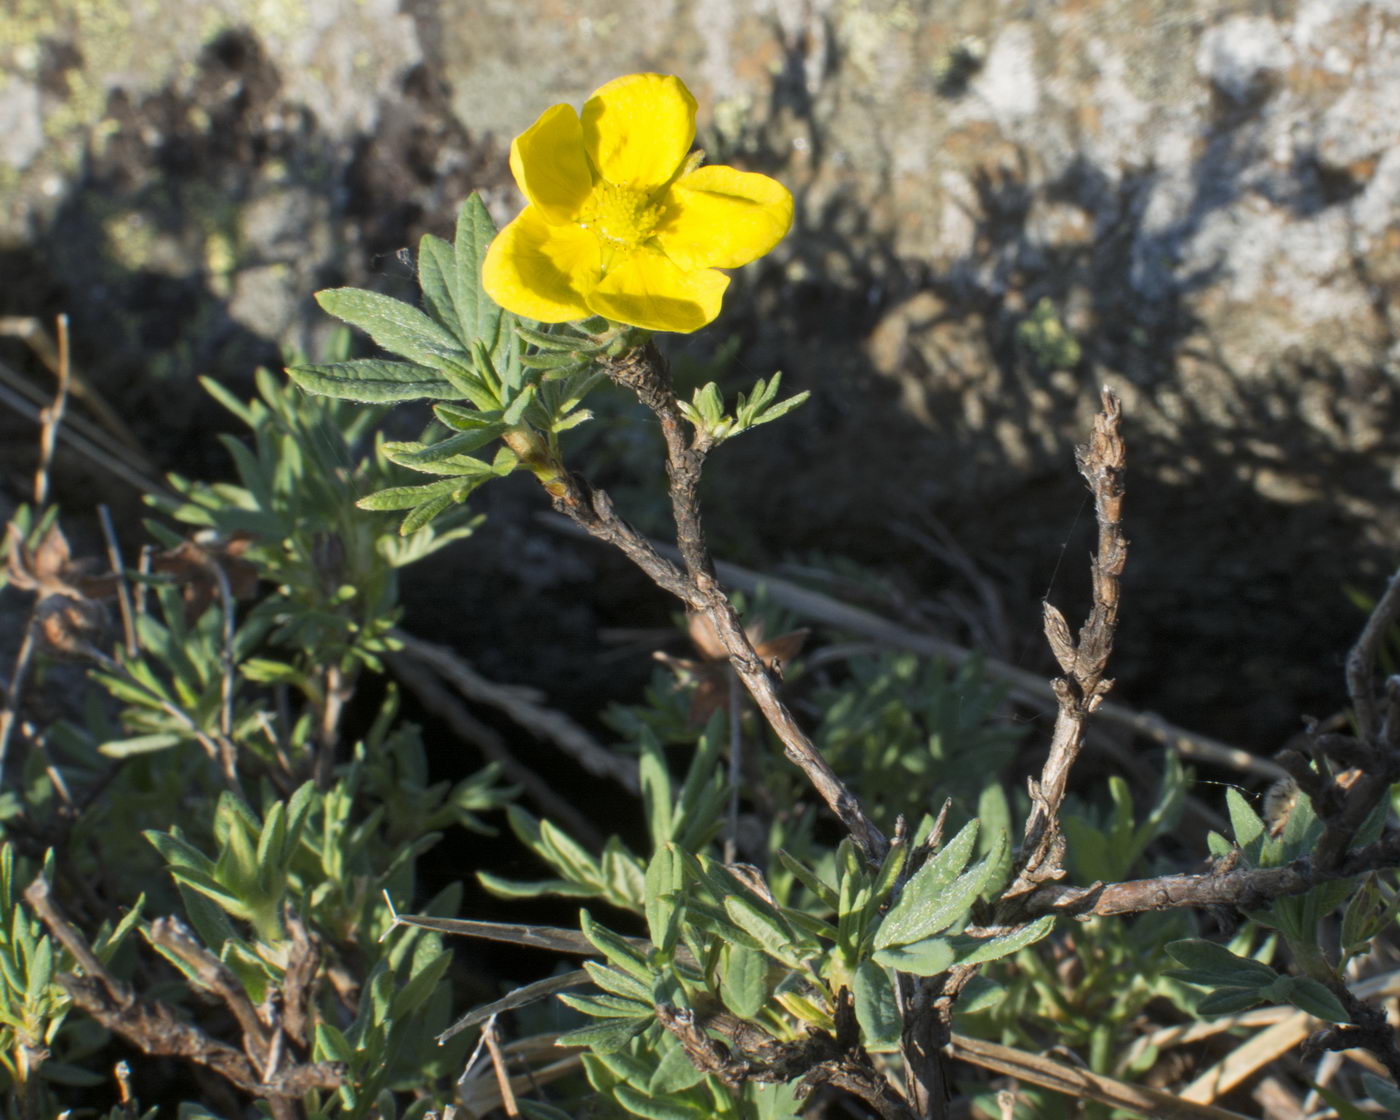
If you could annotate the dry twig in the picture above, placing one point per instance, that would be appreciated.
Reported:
(645, 373)
(1082, 689)
(154, 1028)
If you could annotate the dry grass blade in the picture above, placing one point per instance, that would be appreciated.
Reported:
(1072, 1081)
(520, 997)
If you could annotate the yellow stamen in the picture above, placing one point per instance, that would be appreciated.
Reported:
(622, 216)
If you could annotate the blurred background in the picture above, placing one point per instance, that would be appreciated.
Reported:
(1001, 206)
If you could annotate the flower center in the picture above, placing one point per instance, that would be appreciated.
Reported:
(623, 216)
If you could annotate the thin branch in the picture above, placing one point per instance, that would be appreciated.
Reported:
(1244, 888)
(645, 373)
(51, 419)
(172, 935)
(154, 1028)
(39, 895)
(1081, 690)
(14, 694)
(30, 331)
(1361, 661)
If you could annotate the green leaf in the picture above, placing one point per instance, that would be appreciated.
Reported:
(1344, 1108)
(1211, 965)
(1228, 1001)
(618, 952)
(1382, 1092)
(1243, 819)
(396, 326)
(932, 899)
(332, 1045)
(536, 888)
(994, 948)
(618, 983)
(479, 315)
(674, 1073)
(651, 1108)
(374, 381)
(744, 982)
(980, 994)
(607, 1036)
(876, 1009)
(1310, 995)
(923, 958)
(406, 497)
(141, 744)
(664, 880)
(437, 279)
(766, 927)
(420, 515)
(424, 983)
(413, 454)
(656, 790)
(809, 879)
(607, 1006)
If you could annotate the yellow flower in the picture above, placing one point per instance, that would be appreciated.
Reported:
(621, 222)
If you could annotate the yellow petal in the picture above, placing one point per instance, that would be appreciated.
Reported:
(549, 164)
(648, 290)
(539, 270)
(638, 129)
(718, 217)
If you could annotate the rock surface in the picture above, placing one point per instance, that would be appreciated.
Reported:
(1001, 207)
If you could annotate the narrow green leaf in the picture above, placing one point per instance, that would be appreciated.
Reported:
(1243, 819)
(664, 879)
(406, 497)
(424, 983)
(674, 1073)
(656, 790)
(617, 982)
(607, 1036)
(607, 1006)
(744, 982)
(1309, 995)
(1382, 1092)
(414, 454)
(481, 318)
(994, 948)
(663, 1108)
(396, 326)
(437, 280)
(420, 515)
(1217, 966)
(141, 744)
(618, 952)
(536, 888)
(809, 879)
(933, 899)
(981, 994)
(781, 409)
(374, 381)
(923, 958)
(876, 1009)
(1228, 1001)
